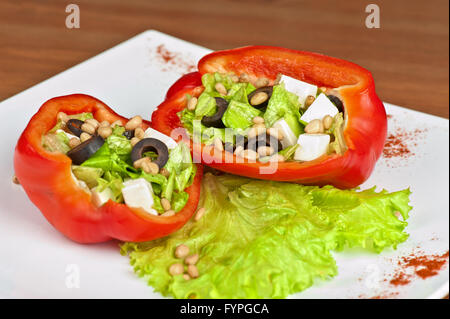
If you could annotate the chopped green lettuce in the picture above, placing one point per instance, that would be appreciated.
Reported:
(239, 115)
(89, 175)
(56, 142)
(182, 172)
(206, 105)
(338, 144)
(289, 152)
(263, 239)
(283, 104)
(114, 182)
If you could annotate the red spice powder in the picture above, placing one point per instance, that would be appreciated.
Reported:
(423, 266)
(172, 61)
(398, 143)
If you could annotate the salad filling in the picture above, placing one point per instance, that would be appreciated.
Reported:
(124, 163)
(290, 120)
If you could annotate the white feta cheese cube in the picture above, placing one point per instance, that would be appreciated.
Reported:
(289, 138)
(321, 107)
(302, 89)
(311, 146)
(139, 193)
(100, 198)
(151, 133)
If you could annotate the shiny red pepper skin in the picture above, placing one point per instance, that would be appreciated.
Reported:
(46, 179)
(366, 124)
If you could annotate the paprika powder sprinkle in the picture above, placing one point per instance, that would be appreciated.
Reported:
(172, 60)
(423, 266)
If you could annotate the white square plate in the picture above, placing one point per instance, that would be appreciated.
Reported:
(37, 262)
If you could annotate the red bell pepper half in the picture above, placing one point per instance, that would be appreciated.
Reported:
(47, 180)
(365, 129)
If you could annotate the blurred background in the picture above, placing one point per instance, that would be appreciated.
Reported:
(408, 54)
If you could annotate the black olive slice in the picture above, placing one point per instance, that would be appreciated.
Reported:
(74, 126)
(266, 89)
(151, 145)
(336, 101)
(216, 119)
(129, 134)
(264, 140)
(85, 150)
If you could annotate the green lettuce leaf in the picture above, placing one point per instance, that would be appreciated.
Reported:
(114, 182)
(263, 239)
(336, 130)
(239, 115)
(56, 142)
(283, 104)
(89, 175)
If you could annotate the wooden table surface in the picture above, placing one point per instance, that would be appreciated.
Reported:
(408, 55)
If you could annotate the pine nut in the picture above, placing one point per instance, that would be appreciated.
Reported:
(134, 123)
(63, 117)
(186, 277)
(309, 100)
(192, 103)
(259, 127)
(265, 151)
(192, 271)
(199, 213)
(256, 130)
(260, 82)
(116, 123)
(238, 150)
(104, 124)
(165, 203)
(93, 122)
(191, 260)
(277, 158)
(273, 131)
(164, 172)
(323, 89)
(258, 120)
(139, 133)
(221, 88)
(278, 79)
(218, 144)
(259, 98)
(15, 180)
(134, 141)
(176, 269)
(104, 131)
(150, 168)
(168, 213)
(181, 251)
(249, 154)
(244, 78)
(327, 122)
(314, 127)
(139, 163)
(88, 128)
(234, 78)
(84, 137)
(74, 142)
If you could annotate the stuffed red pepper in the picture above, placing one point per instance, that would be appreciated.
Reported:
(279, 114)
(96, 175)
